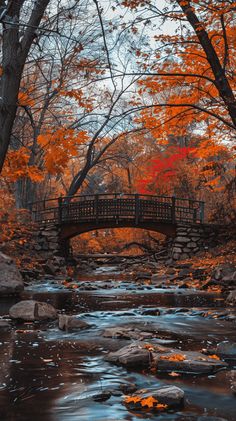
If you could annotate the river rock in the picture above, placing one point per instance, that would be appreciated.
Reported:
(132, 355)
(4, 324)
(126, 333)
(206, 418)
(172, 396)
(225, 272)
(31, 310)
(186, 362)
(11, 281)
(143, 275)
(71, 322)
(226, 349)
(231, 299)
(165, 359)
(169, 395)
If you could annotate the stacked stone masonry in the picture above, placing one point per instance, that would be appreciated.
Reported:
(191, 239)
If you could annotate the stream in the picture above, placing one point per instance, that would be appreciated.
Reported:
(52, 375)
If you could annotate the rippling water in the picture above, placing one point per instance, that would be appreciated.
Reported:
(50, 375)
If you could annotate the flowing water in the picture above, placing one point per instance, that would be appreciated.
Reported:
(51, 375)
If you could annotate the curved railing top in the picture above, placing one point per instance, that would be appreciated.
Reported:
(119, 207)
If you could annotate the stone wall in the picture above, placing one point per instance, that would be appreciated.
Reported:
(193, 238)
(48, 240)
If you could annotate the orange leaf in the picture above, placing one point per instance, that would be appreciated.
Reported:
(214, 357)
(173, 357)
(150, 401)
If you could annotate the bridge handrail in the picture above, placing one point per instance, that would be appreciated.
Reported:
(177, 210)
(115, 195)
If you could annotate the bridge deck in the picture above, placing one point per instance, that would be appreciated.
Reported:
(132, 208)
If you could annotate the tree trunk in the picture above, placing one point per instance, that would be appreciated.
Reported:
(221, 81)
(14, 54)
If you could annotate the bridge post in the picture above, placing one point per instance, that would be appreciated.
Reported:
(96, 209)
(137, 209)
(59, 210)
(202, 212)
(173, 216)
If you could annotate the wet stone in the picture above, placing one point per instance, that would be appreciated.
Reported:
(11, 281)
(203, 418)
(165, 359)
(128, 388)
(126, 333)
(4, 324)
(71, 322)
(102, 396)
(172, 396)
(231, 299)
(31, 310)
(226, 349)
(130, 356)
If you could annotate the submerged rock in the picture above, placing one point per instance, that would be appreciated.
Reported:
(11, 281)
(71, 322)
(102, 396)
(31, 310)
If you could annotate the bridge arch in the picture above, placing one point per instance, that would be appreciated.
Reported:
(68, 217)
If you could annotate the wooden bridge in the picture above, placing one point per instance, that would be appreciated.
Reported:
(78, 214)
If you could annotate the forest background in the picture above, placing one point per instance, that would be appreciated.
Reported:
(117, 96)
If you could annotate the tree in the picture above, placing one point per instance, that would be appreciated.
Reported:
(19, 33)
(198, 60)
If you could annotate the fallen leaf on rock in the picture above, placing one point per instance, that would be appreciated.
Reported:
(133, 399)
(149, 402)
(161, 406)
(214, 357)
(174, 374)
(173, 357)
(149, 347)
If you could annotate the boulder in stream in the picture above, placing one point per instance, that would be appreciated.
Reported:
(166, 359)
(126, 333)
(231, 299)
(31, 310)
(11, 281)
(66, 322)
(167, 397)
(225, 272)
(133, 355)
(206, 418)
(226, 349)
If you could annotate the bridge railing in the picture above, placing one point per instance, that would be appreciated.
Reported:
(118, 207)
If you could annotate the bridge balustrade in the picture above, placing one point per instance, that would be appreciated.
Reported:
(118, 207)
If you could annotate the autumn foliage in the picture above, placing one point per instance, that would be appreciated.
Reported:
(161, 121)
